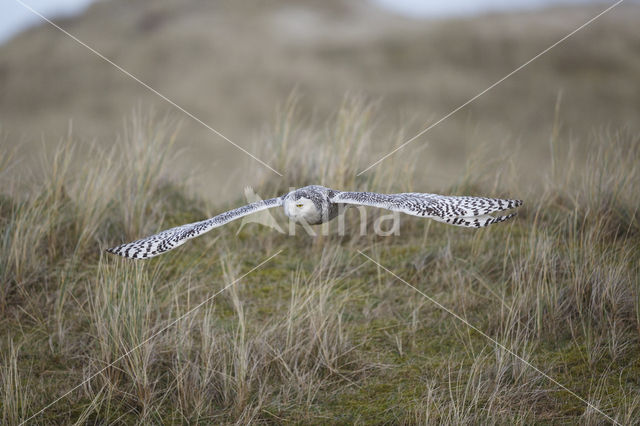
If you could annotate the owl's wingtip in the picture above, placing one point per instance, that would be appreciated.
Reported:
(113, 250)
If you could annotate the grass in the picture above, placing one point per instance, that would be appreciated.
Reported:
(245, 59)
(319, 334)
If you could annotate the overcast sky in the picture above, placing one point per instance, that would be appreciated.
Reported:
(14, 17)
(441, 8)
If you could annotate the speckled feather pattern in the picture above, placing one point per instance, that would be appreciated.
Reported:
(463, 211)
(171, 238)
(455, 210)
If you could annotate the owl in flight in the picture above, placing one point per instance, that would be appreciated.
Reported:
(316, 204)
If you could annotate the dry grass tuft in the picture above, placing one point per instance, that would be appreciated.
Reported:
(319, 334)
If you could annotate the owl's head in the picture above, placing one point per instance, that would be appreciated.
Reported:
(299, 208)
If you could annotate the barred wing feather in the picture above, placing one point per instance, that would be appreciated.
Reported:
(455, 210)
(169, 239)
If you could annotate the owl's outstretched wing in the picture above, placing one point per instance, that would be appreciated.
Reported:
(455, 210)
(171, 238)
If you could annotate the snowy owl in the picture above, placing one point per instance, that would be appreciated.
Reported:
(316, 204)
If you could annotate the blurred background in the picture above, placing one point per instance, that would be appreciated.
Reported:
(233, 64)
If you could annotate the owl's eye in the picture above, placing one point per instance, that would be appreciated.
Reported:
(299, 205)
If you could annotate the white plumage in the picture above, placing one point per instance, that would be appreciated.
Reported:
(316, 204)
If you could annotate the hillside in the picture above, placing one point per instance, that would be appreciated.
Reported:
(233, 65)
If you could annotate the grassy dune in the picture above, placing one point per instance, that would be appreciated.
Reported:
(319, 334)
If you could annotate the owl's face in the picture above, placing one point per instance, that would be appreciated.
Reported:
(301, 210)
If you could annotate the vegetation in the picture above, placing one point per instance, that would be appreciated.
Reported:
(230, 63)
(319, 334)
